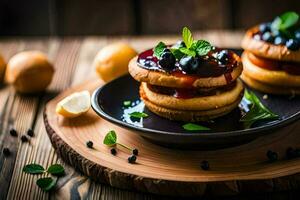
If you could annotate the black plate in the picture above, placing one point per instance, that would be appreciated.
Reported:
(107, 101)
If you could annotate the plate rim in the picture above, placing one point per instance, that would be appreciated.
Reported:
(97, 108)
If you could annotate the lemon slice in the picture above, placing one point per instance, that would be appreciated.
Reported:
(74, 105)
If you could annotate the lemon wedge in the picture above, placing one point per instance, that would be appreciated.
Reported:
(74, 105)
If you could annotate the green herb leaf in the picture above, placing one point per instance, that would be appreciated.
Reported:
(56, 170)
(177, 53)
(138, 114)
(257, 111)
(187, 37)
(126, 103)
(194, 127)
(33, 169)
(46, 184)
(285, 21)
(110, 138)
(202, 47)
(158, 49)
(187, 51)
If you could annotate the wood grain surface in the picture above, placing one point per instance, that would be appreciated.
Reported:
(72, 58)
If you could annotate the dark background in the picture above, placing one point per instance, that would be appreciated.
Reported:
(133, 17)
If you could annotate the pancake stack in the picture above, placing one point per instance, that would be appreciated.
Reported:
(271, 58)
(198, 88)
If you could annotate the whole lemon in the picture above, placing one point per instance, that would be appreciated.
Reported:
(2, 68)
(112, 60)
(29, 72)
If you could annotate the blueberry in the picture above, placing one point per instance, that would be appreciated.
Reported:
(89, 144)
(265, 27)
(297, 34)
(132, 159)
(222, 56)
(267, 36)
(167, 61)
(189, 64)
(205, 165)
(272, 156)
(24, 138)
(13, 132)
(179, 44)
(113, 151)
(135, 152)
(292, 44)
(166, 50)
(30, 132)
(279, 40)
(257, 37)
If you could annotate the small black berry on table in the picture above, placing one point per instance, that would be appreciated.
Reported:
(6, 151)
(135, 152)
(205, 165)
(24, 138)
(13, 132)
(132, 159)
(89, 144)
(272, 156)
(113, 151)
(30, 132)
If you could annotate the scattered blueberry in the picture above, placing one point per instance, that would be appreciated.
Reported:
(292, 44)
(205, 165)
(113, 151)
(189, 64)
(13, 132)
(89, 144)
(268, 37)
(6, 151)
(222, 56)
(265, 27)
(167, 60)
(272, 156)
(279, 40)
(297, 34)
(30, 132)
(135, 152)
(24, 138)
(132, 159)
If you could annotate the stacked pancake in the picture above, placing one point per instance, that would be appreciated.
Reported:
(177, 92)
(271, 60)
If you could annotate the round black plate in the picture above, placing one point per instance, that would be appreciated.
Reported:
(107, 101)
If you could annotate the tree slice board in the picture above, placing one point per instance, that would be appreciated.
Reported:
(160, 170)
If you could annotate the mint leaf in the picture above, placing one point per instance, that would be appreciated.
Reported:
(177, 53)
(110, 138)
(56, 170)
(187, 37)
(46, 184)
(126, 103)
(194, 127)
(285, 21)
(257, 111)
(158, 49)
(33, 169)
(138, 115)
(187, 51)
(202, 47)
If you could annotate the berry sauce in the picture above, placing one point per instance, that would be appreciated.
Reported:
(209, 67)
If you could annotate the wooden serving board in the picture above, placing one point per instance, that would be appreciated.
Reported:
(160, 170)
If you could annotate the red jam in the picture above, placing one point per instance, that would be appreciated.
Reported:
(211, 67)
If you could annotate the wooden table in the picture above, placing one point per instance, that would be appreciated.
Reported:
(73, 59)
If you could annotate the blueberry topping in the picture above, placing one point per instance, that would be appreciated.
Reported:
(166, 50)
(135, 152)
(113, 151)
(279, 40)
(265, 27)
(257, 37)
(292, 44)
(267, 36)
(272, 156)
(167, 60)
(297, 34)
(89, 144)
(222, 56)
(179, 44)
(205, 165)
(189, 64)
(132, 159)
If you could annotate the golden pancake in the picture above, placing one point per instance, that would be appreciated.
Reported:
(164, 79)
(222, 98)
(267, 88)
(268, 50)
(276, 78)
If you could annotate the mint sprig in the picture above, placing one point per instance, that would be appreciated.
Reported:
(284, 23)
(33, 169)
(257, 111)
(187, 37)
(194, 127)
(158, 49)
(46, 183)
